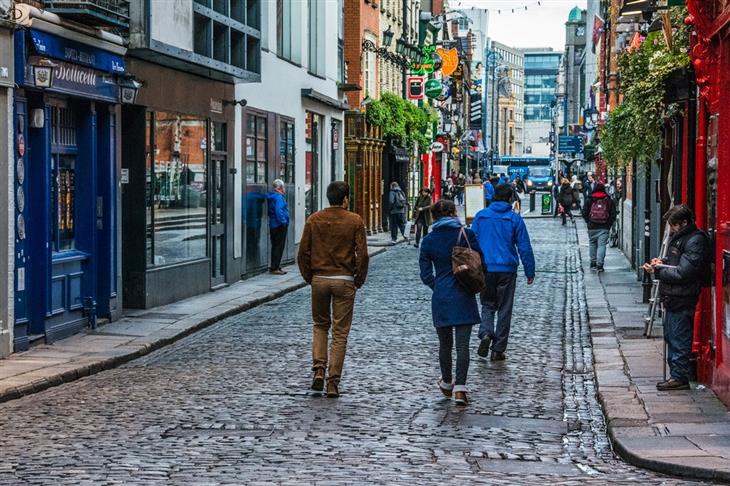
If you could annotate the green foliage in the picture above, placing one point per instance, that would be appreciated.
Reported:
(402, 121)
(633, 130)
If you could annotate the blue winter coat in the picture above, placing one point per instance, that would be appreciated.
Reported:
(278, 209)
(488, 191)
(502, 234)
(451, 305)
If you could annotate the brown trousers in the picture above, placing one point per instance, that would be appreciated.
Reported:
(332, 304)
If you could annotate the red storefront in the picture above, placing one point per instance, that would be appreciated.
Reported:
(711, 60)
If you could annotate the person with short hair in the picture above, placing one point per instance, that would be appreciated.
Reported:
(333, 259)
(397, 203)
(278, 225)
(424, 203)
(453, 308)
(599, 212)
(504, 241)
(681, 275)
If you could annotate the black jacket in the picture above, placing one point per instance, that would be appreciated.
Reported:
(566, 196)
(687, 263)
(611, 211)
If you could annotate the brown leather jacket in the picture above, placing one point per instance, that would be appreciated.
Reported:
(334, 243)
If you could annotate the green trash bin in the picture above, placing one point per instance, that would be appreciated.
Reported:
(547, 204)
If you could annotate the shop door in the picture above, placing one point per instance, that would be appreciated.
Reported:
(217, 210)
(312, 163)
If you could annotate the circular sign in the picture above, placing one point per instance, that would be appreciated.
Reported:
(20, 170)
(433, 88)
(21, 144)
(437, 147)
(20, 199)
(445, 93)
(21, 227)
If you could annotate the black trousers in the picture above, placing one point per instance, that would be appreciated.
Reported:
(278, 239)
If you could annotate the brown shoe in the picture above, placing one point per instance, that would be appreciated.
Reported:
(278, 271)
(318, 381)
(460, 398)
(672, 384)
(446, 388)
(332, 390)
(497, 356)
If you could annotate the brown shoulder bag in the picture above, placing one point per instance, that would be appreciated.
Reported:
(467, 266)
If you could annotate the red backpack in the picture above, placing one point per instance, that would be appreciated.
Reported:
(599, 211)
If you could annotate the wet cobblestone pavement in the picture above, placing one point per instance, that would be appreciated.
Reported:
(229, 405)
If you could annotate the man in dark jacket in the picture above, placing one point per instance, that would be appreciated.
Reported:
(397, 204)
(680, 275)
(599, 211)
(502, 235)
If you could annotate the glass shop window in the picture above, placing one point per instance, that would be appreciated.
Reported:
(286, 152)
(64, 198)
(256, 142)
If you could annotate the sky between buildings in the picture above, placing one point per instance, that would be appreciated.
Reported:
(539, 26)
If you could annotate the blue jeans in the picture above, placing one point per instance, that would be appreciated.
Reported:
(598, 239)
(678, 336)
(497, 297)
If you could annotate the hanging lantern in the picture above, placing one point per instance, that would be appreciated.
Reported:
(433, 88)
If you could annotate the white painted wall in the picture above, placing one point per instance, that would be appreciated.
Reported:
(280, 92)
(173, 22)
(7, 223)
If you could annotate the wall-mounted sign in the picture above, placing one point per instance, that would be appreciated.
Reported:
(21, 145)
(437, 147)
(64, 49)
(124, 179)
(74, 79)
(433, 88)
(415, 87)
(449, 60)
(445, 92)
(425, 64)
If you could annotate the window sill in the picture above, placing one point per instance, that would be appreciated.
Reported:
(289, 61)
(316, 75)
(69, 256)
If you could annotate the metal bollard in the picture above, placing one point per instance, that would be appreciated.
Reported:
(532, 202)
(90, 311)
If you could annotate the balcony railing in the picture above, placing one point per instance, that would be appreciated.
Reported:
(113, 13)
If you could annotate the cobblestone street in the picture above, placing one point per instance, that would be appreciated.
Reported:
(230, 405)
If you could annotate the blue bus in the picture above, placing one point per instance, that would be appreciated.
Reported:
(537, 171)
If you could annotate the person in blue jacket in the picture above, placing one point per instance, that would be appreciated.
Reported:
(278, 225)
(453, 308)
(502, 234)
(488, 192)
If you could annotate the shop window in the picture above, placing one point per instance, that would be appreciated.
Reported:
(286, 152)
(256, 142)
(176, 167)
(218, 136)
(64, 202)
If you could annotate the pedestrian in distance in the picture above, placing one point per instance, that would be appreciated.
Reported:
(333, 259)
(397, 220)
(278, 225)
(424, 204)
(566, 199)
(681, 276)
(504, 241)
(460, 186)
(519, 185)
(489, 185)
(589, 186)
(449, 190)
(454, 309)
(599, 212)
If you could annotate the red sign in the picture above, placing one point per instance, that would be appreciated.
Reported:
(21, 145)
(415, 87)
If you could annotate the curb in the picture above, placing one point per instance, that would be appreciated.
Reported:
(110, 363)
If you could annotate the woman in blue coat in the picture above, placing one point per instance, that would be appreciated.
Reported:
(453, 308)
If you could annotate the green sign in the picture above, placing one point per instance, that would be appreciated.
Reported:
(547, 203)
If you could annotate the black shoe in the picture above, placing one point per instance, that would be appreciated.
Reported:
(318, 381)
(599, 268)
(332, 390)
(483, 349)
(594, 265)
(497, 356)
(672, 384)
(416, 245)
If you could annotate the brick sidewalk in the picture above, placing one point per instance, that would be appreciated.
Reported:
(143, 331)
(684, 433)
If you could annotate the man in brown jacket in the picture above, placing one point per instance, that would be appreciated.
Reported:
(333, 259)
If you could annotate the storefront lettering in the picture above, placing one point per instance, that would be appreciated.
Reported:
(76, 55)
(76, 74)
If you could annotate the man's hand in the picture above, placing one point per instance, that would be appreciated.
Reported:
(648, 268)
(656, 261)
(530, 280)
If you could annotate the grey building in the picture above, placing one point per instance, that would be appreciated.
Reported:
(574, 67)
(509, 124)
(541, 75)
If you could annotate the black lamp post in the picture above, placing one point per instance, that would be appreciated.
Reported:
(388, 37)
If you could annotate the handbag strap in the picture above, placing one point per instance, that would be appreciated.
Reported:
(463, 233)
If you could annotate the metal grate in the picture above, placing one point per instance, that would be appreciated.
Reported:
(63, 126)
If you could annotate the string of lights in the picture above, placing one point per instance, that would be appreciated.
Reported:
(510, 7)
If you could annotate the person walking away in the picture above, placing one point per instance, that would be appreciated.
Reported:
(460, 186)
(488, 192)
(453, 308)
(599, 213)
(449, 190)
(397, 203)
(423, 214)
(278, 225)
(566, 199)
(519, 185)
(333, 259)
(681, 275)
(502, 236)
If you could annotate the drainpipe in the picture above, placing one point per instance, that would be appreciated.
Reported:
(700, 205)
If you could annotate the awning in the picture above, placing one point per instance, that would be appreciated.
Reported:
(324, 99)
(56, 47)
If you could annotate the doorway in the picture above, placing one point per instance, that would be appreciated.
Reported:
(217, 220)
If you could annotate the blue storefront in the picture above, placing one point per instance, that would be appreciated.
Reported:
(66, 186)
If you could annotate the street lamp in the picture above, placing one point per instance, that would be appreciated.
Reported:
(388, 37)
(43, 71)
(400, 47)
(128, 89)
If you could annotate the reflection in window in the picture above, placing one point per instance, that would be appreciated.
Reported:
(286, 152)
(256, 141)
(65, 202)
(178, 158)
